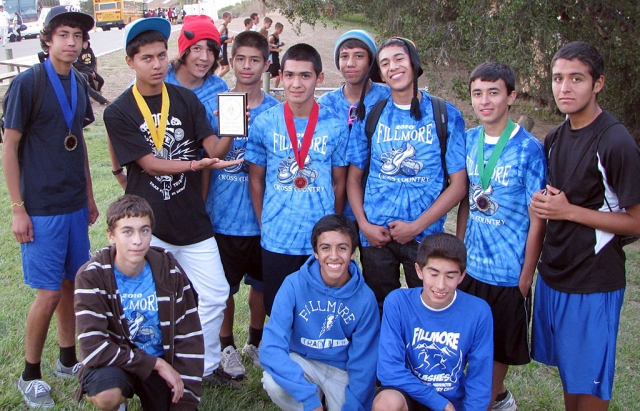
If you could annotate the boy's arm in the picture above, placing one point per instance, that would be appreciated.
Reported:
(160, 167)
(256, 188)
(121, 177)
(363, 356)
(404, 232)
(21, 226)
(96, 348)
(463, 215)
(477, 386)
(533, 248)
(274, 353)
(339, 178)
(376, 235)
(393, 370)
(188, 341)
(555, 206)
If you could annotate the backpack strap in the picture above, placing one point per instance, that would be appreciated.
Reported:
(442, 121)
(373, 118)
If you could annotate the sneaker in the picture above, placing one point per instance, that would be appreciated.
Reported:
(507, 404)
(67, 372)
(231, 363)
(251, 351)
(219, 378)
(35, 393)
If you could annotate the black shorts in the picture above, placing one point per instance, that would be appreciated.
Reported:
(274, 67)
(412, 404)
(153, 392)
(240, 255)
(275, 268)
(511, 315)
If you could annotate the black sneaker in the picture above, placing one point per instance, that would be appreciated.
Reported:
(219, 378)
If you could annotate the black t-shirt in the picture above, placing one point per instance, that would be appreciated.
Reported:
(576, 258)
(181, 218)
(52, 179)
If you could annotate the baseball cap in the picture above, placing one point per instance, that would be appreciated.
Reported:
(146, 24)
(86, 21)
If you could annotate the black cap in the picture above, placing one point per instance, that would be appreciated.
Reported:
(85, 21)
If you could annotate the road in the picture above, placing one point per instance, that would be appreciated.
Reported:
(102, 42)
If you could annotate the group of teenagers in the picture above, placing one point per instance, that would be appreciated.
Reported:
(286, 208)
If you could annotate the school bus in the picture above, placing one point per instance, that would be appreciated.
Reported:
(117, 13)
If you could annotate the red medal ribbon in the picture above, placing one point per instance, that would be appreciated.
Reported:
(301, 155)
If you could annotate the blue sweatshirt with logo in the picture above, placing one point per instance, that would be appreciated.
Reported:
(338, 326)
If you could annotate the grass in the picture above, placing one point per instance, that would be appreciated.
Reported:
(536, 387)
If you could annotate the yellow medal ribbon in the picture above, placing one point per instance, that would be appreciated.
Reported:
(157, 134)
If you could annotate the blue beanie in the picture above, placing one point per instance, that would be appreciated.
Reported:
(361, 35)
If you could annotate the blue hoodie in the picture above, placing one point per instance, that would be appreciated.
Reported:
(336, 326)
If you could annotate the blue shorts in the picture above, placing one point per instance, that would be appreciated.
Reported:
(60, 246)
(251, 282)
(577, 333)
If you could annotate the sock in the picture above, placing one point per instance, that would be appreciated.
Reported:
(502, 396)
(255, 336)
(227, 341)
(31, 371)
(68, 356)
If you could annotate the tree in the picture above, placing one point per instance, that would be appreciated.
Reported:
(86, 6)
(522, 33)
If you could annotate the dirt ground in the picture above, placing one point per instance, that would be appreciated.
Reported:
(118, 76)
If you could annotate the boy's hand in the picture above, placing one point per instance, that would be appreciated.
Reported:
(172, 377)
(551, 204)
(401, 231)
(449, 407)
(376, 235)
(22, 226)
(215, 163)
(320, 408)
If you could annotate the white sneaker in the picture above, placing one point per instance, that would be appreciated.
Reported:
(508, 404)
(251, 351)
(232, 363)
(35, 393)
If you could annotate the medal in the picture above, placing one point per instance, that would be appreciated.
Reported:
(157, 133)
(70, 142)
(300, 181)
(483, 203)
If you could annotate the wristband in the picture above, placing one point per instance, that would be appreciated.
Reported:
(191, 165)
(20, 204)
(118, 171)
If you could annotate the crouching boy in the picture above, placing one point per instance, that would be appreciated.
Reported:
(429, 336)
(321, 339)
(138, 325)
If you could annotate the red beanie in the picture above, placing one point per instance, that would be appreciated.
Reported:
(196, 28)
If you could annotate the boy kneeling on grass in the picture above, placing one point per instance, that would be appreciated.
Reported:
(322, 337)
(138, 325)
(430, 335)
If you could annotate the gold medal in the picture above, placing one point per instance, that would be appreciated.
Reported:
(70, 142)
(300, 182)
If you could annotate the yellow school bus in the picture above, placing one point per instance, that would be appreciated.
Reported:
(117, 13)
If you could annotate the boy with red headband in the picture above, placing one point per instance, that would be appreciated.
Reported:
(297, 168)
(157, 131)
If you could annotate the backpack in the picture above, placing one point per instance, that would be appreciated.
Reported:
(439, 114)
(37, 97)
(624, 240)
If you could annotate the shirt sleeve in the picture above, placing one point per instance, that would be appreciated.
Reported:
(358, 147)
(477, 386)
(256, 152)
(126, 137)
(339, 156)
(455, 156)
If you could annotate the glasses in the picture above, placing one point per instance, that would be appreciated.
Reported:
(352, 114)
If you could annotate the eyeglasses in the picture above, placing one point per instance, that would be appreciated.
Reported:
(352, 114)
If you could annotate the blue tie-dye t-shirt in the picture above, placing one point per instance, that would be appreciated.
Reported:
(207, 93)
(289, 213)
(140, 305)
(229, 202)
(406, 175)
(498, 223)
(337, 102)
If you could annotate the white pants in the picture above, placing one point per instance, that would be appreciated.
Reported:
(4, 32)
(331, 382)
(202, 265)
